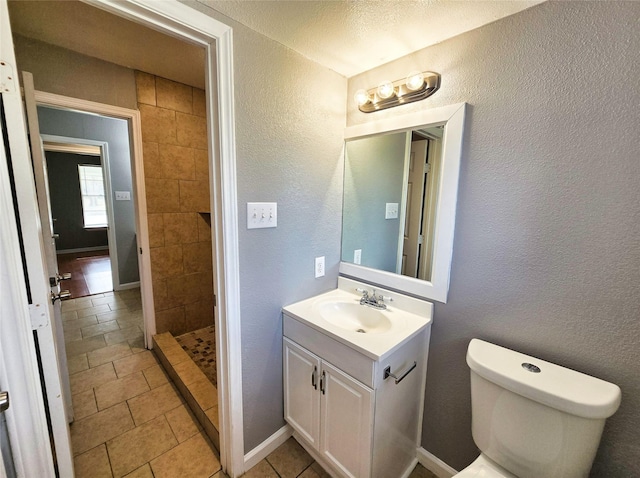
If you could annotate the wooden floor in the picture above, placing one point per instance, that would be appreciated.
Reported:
(90, 272)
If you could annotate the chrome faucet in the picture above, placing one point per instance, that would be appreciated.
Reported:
(371, 300)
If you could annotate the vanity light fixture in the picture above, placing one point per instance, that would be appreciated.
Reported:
(416, 86)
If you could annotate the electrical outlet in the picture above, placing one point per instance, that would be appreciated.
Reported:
(357, 256)
(319, 266)
(391, 210)
(123, 195)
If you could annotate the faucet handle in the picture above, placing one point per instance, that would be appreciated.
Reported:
(364, 292)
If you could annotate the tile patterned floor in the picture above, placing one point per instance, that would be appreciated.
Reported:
(130, 421)
(90, 272)
(200, 345)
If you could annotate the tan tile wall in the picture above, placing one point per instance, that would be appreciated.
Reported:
(177, 187)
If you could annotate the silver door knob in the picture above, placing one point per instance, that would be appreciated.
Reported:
(55, 236)
(64, 294)
(4, 401)
(63, 276)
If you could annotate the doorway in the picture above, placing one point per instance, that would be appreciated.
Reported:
(82, 215)
(215, 37)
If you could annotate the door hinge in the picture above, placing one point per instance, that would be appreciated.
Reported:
(427, 168)
(140, 250)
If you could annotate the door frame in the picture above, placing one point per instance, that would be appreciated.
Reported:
(181, 21)
(139, 197)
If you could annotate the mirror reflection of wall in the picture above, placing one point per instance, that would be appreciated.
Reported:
(390, 193)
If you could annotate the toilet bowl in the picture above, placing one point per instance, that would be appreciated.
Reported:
(531, 418)
(484, 467)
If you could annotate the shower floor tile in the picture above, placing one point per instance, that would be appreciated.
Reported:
(200, 345)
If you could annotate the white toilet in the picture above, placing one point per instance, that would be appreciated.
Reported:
(531, 418)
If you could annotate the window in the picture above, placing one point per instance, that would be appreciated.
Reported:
(94, 203)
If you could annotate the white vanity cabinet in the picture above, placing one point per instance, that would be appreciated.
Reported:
(350, 418)
(330, 409)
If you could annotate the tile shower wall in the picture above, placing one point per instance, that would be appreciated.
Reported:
(176, 174)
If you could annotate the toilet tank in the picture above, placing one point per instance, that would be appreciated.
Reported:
(534, 418)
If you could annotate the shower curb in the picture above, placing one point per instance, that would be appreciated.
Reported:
(194, 386)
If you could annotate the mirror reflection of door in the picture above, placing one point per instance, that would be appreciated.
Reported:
(418, 170)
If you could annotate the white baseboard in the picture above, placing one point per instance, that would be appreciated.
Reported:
(434, 464)
(82, 249)
(128, 285)
(260, 452)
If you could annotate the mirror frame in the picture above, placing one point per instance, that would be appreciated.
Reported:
(452, 117)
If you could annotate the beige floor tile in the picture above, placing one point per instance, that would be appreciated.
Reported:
(108, 354)
(84, 404)
(76, 304)
(101, 328)
(100, 427)
(137, 344)
(182, 422)
(79, 323)
(290, 459)
(135, 362)
(72, 334)
(143, 472)
(114, 315)
(194, 458)
(83, 346)
(155, 376)
(130, 321)
(222, 474)
(120, 390)
(261, 470)
(70, 315)
(421, 472)
(123, 335)
(205, 393)
(98, 309)
(133, 449)
(156, 402)
(77, 363)
(94, 377)
(93, 464)
(175, 354)
(315, 471)
(112, 299)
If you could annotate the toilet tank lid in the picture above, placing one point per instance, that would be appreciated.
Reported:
(555, 386)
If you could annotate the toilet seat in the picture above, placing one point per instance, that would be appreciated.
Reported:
(484, 467)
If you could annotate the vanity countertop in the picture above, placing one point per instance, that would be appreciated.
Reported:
(383, 332)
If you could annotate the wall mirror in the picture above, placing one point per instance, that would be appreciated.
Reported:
(400, 192)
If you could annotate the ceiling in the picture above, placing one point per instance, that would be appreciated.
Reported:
(347, 36)
(353, 36)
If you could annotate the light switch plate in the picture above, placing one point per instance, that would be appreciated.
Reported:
(391, 211)
(123, 195)
(262, 214)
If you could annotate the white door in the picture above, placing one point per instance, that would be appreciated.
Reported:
(35, 296)
(346, 422)
(301, 384)
(413, 218)
(48, 237)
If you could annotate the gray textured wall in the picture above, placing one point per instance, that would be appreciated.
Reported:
(67, 73)
(546, 255)
(373, 176)
(290, 119)
(115, 132)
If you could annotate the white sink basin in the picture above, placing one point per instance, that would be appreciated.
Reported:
(354, 316)
(372, 332)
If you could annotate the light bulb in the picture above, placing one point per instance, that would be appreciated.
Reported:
(362, 97)
(386, 90)
(414, 81)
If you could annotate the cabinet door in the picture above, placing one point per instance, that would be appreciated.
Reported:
(346, 422)
(301, 391)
